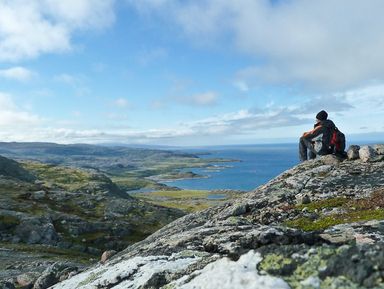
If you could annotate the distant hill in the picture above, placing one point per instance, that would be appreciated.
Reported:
(12, 169)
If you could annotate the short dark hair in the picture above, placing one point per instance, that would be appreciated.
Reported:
(322, 115)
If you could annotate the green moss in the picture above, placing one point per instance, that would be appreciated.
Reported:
(322, 223)
(324, 204)
(9, 220)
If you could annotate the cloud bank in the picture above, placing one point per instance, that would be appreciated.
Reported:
(319, 44)
(30, 28)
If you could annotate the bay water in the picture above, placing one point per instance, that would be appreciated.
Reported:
(255, 165)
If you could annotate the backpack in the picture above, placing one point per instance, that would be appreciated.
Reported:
(337, 143)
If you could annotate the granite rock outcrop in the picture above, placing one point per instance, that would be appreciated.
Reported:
(269, 238)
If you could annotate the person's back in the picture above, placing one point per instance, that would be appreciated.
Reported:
(318, 140)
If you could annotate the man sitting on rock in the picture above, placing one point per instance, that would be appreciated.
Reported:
(317, 141)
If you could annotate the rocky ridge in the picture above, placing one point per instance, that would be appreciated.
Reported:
(317, 225)
(52, 226)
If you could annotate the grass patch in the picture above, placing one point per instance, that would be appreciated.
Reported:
(181, 194)
(184, 206)
(130, 183)
(371, 208)
(64, 177)
(49, 252)
(324, 204)
(323, 223)
(185, 200)
(7, 222)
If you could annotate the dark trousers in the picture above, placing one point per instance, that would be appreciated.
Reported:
(305, 145)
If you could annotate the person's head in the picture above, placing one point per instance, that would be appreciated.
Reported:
(322, 115)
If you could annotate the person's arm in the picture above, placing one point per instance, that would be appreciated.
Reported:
(313, 133)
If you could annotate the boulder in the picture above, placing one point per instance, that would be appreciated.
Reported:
(353, 152)
(379, 148)
(107, 255)
(367, 154)
(46, 280)
(27, 279)
(53, 274)
(331, 160)
(37, 231)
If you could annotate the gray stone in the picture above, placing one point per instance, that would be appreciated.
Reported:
(367, 153)
(39, 195)
(305, 200)
(27, 279)
(45, 281)
(379, 148)
(330, 160)
(37, 231)
(353, 152)
(107, 255)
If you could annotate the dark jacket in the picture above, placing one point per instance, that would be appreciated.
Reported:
(320, 136)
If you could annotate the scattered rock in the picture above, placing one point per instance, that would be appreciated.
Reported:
(39, 195)
(353, 152)
(379, 148)
(367, 153)
(331, 160)
(305, 200)
(107, 255)
(46, 280)
(27, 279)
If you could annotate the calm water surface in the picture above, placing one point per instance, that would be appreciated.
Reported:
(258, 164)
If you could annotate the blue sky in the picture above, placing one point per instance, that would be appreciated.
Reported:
(188, 72)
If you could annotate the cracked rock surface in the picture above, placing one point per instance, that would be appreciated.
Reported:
(317, 225)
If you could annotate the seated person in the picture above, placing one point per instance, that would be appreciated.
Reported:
(317, 141)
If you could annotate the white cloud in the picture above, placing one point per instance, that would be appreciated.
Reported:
(353, 111)
(241, 85)
(17, 73)
(208, 98)
(30, 28)
(12, 117)
(322, 44)
(76, 82)
(121, 102)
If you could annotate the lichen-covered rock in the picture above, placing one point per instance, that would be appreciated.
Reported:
(353, 152)
(228, 274)
(267, 238)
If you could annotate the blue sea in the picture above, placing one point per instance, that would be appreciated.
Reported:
(256, 165)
